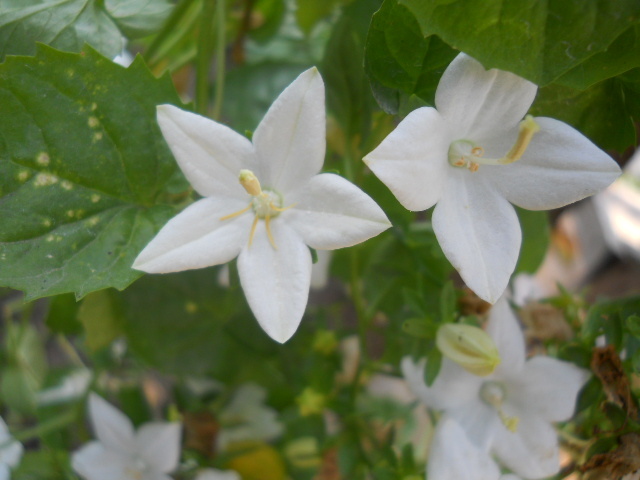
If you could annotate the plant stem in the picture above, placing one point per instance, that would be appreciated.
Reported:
(47, 426)
(220, 58)
(203, 58)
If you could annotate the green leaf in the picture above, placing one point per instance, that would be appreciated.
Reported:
(308, 14)
(535, 240)
(61, 317)
(633, 325)
(138, 18)
(601, 112)
(621, 56)
(400, 61)
(432, 368)
(187, 324)
(347, 93)
(26, 367)
(419, 328)
(536, 40)
(68, 24)
(83, 166)
(101, 321)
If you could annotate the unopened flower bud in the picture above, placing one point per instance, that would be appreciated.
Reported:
(311, 402)
(470, 347)
(303, 452)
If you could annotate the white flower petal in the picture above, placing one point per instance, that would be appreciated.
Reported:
(531, 452)
(5, 473)
(11, 454)
(479, 232)
(504, 329)
(478, 420)
(331, 212)
(158, 443)
(454, 457)
(94, 462)
(276, 282)
(412, 160)
(111, 426)
(454, 387)
(559, 167)
(548, 387)
(210, 154)
(477, 103)
(197, 238)
(290, 140)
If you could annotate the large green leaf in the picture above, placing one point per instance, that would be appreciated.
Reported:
(83, 166)
(621, 56)
(68, 24)
(536, 40)
(400, 60)
(602, 112)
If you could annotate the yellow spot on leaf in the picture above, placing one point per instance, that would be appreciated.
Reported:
(95, 198)
(45, 179)
(66, 184)
(23, 175)
(43, 159)
(93, 122)
(191, 307)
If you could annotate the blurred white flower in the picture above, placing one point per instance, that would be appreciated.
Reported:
(453, 457)
(10, 452)
(509, 412)
(121, 453)
(246, 417)
(474, 156)
(73, 386)
(265, 202)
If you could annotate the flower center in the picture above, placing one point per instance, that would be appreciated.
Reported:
(137, 469)
(465, 153)
(494, 394)
(266, 204)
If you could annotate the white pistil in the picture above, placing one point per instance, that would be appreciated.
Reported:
(266, 204)
(466, 154)
(493, 394)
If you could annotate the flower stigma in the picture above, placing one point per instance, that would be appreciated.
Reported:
(493, 394)
(266, 204)
(466, 154)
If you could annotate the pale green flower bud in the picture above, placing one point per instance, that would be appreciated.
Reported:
(470, 347)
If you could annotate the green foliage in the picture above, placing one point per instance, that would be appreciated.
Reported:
(535, 240)
(68, 24)
(400, 61)
(80, 187)
(536, 40)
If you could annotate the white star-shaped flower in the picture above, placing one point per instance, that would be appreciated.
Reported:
(473, 156)
(508, 412)
(124, 454)
(453, 456)
(264, 202)
(10, 452)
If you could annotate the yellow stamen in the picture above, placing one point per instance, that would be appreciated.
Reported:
(510, 422)
(235, 214)
(278, 209)
(528, 128)
(253, 229)
(267, 224)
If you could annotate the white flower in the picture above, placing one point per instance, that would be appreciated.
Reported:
(509, 412)
(453, 457)
(247, 417)
(473, 155)
(73, 386)
(10, 451)
(215, 474)
(264, 202)
(124, 454)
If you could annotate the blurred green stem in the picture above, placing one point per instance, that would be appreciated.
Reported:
(48, 426)
(220, 58)
(205, 53)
